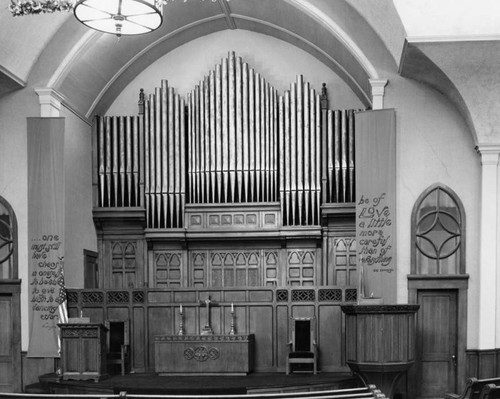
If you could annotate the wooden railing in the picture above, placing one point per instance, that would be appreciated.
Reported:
(369, 392)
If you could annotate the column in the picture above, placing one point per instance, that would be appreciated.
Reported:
(488, 247)
(50, 102)
(378, 91)
(46, 205)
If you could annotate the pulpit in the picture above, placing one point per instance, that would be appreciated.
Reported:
(230, 354)
(83, 351)
(380, 342)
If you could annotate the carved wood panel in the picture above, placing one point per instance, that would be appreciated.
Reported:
(301, 267)
(344, 258)
(169, 269)
(233, 268)
(123, 263)
(264, 312)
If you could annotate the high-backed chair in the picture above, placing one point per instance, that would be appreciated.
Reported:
(302, 345)
(118, 344)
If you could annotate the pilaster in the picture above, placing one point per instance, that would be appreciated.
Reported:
(50, 102)
(378, 91)
(489, 279)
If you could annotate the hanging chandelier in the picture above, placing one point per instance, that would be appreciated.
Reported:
(119, 17)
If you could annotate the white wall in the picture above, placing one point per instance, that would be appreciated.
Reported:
(14, 179)
(278, 62)
(80, 232)
(434, 145)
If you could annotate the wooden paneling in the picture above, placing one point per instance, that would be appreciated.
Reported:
(261, 324)
(264, 312)
(437, 342)
(10, 336)
(458, 284)
(138, 335)
(483, 363)
(6, 338)
(330, 333)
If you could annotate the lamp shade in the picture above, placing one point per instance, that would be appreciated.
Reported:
(120, 17)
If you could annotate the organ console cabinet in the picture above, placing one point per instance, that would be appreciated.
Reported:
(83, 351)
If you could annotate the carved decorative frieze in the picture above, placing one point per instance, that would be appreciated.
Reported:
(84, 331)
(234, 217)
(353, 309)
(204, 338)
(202, 353)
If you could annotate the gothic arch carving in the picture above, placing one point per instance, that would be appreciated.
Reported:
(438, 232)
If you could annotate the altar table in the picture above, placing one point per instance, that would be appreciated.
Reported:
(204, 354)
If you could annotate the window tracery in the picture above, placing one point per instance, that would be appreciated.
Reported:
(438, 239)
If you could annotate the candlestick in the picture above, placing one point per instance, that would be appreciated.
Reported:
(181, 322)
(233, 327)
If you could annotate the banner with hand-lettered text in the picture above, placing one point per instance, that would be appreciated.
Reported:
(46, 291)
(375, 153)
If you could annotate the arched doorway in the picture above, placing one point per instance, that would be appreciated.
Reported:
(10, 308)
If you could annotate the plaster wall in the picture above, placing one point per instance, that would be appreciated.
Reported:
(14, 179)
(277, 61)
(80, 232)
(434, 145)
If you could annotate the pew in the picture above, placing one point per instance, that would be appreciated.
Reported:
(473, 388)
(368, 392)
(490, 391)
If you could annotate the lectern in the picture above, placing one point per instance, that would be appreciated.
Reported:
(83, 351)
(380, 342)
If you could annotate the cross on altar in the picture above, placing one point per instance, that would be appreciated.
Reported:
(207, 330)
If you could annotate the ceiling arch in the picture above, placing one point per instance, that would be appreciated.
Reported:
(89, 69)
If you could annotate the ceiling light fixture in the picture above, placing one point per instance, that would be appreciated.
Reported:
(121, 17)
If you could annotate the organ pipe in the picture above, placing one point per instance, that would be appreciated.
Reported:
(234, 140)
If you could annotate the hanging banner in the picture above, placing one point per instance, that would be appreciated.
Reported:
(46, 293)
(376, 205)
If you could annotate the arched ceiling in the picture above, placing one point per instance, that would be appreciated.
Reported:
(358, 39)
(89, 69)
(454, 47)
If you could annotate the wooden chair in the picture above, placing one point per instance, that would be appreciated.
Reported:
(302, 346)
(490, 391)
(118, 344)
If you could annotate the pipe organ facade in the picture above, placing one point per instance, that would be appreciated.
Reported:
(236, 185)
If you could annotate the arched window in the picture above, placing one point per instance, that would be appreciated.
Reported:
(8, 242)
(438, 233)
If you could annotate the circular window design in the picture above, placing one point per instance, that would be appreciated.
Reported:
(438, 233)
